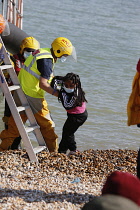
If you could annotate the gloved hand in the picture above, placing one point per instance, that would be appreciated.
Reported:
(56, 82)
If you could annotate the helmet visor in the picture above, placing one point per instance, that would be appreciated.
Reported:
(74, 56)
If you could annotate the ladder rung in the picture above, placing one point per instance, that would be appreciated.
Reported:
(31, 128)
(39, 149)
(22, 108)
(3, 67)
(14, 87)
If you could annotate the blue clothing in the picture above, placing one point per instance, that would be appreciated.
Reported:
(45, 66)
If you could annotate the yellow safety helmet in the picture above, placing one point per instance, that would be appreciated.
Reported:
(2, 24)
(62, 46)
(29, 42)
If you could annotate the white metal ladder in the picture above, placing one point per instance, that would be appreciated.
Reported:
(23, 130)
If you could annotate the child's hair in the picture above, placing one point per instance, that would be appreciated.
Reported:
(76, 80)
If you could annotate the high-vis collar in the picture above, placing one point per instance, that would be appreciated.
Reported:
(28, 68)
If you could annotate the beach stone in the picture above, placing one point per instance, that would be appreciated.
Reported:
(50, 185)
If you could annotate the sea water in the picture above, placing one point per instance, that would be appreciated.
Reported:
(106, 35)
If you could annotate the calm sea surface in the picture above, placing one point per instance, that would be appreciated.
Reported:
(106, 35)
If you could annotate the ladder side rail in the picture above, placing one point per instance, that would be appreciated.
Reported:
(8, 11)
(9, 99)
(36, 131)
(3, 8)
(15, 81)
(25, 106)
(6, 54)
(13, 76)
(14, 12)
(31, 119)
(25, 103)
(11, 70)
(19, 14)
(27, 144)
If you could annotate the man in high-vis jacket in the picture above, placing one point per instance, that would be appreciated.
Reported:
(34, 77)
(28, 44)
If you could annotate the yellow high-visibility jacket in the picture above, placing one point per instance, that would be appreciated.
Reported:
(133, 106)
(29, 75)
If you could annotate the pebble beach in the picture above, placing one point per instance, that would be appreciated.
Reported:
(58, 181)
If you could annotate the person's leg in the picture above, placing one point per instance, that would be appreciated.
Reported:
(16, 143)
(76, 121)
(7, 114)
(73, 122)
(63, 145)
(44, 120)
(8, 135)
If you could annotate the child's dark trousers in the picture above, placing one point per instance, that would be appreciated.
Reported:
(73, 122)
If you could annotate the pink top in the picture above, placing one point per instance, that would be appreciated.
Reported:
(77, 109)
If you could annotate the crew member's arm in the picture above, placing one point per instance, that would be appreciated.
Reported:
(43, 84)
(45, 67)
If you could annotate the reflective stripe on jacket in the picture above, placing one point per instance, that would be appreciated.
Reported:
(29, 75)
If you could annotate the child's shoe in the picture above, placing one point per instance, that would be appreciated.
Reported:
(75, 152)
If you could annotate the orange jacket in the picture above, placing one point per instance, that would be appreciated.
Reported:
(133, 106)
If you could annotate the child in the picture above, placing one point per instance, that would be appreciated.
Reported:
(72, 97)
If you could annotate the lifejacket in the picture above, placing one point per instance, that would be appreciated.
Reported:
(133, 105)
(29, 75)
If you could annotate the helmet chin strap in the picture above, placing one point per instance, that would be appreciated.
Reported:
(52, 52)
